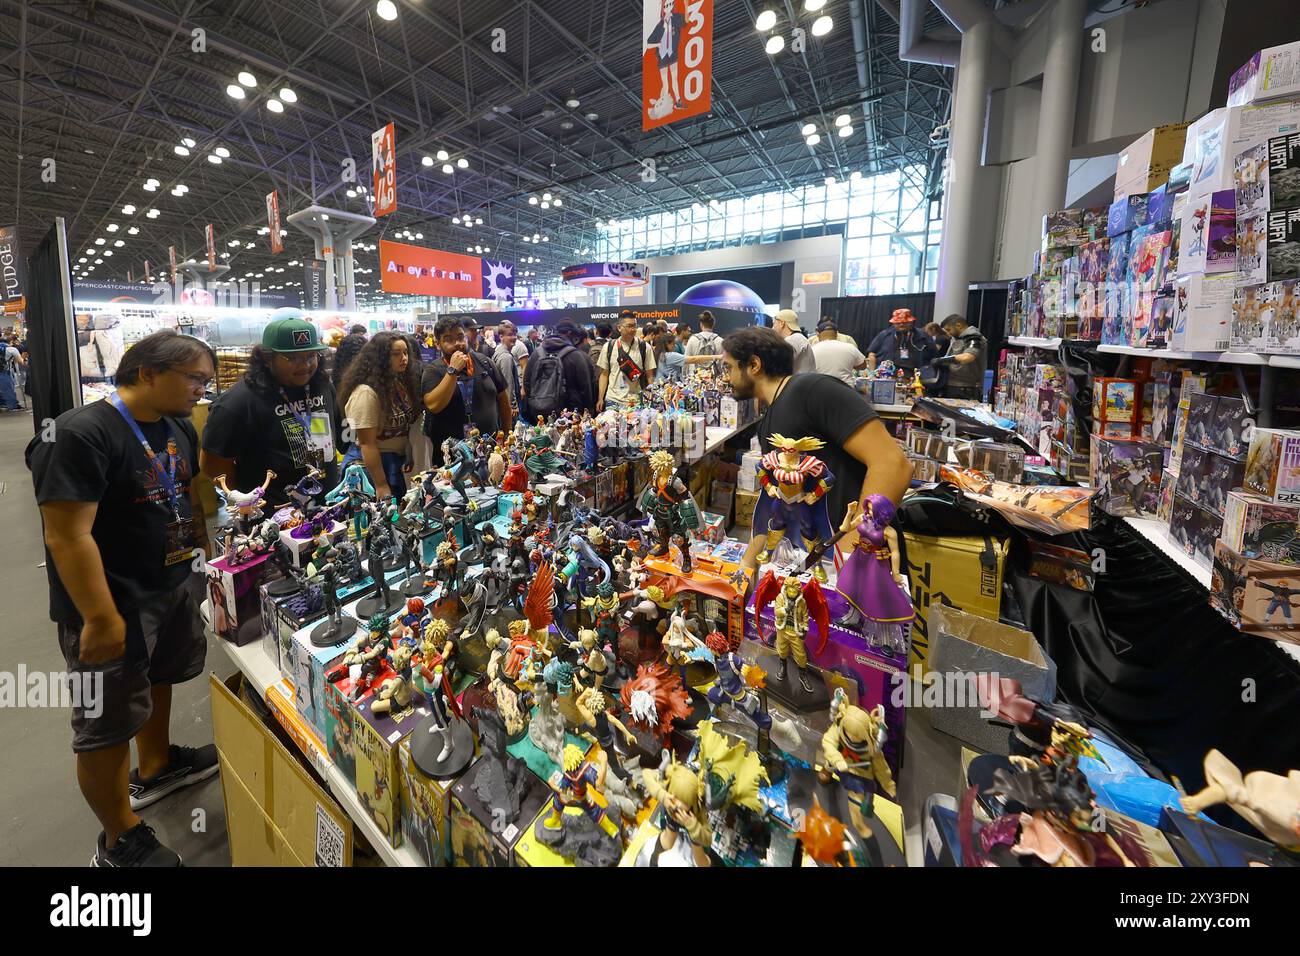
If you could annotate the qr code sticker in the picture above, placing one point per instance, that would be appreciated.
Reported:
(329, 839)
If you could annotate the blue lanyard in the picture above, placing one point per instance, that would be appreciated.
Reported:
(302, 419)
(165, 475)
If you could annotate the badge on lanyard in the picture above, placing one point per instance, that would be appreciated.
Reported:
(180, 533)
(315, 429)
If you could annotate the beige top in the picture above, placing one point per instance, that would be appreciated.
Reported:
(365, 410)
(620, 390)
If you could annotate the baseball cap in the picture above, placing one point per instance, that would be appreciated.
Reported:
(290, 332)
(568, 328)
(827, 325)
(788, 317)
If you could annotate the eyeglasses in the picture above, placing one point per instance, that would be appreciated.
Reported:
(198, 381)
(300, 358)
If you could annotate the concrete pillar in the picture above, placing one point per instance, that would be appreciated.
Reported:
(1056, 108)
(963, 178)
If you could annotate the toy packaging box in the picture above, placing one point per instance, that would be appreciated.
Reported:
(1160, 207)
(1258, 597)
(425, 809)
(1250, 180)
(1116, 400)
(1252, 319)
(1216, 139)
(281, 619)
(1145, 163)
(1221, 476)
(1195, 530)
(1283, 245)
(1148, 258)
(1271, 73)
(309, 666)
(479, 834)
(1004, 462)
(1284, 329)
(1067, 566)
(1273, 465)
(376, 738)
(1165, 509)
(1258, 528)
(1252, 248)
(1126, 476)
(1229, 428)
(1282, 177)
(1221, 244)
(234, 598)
(1203, 312)
(1191, 471)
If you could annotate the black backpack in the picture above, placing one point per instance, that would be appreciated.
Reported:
(547, 392)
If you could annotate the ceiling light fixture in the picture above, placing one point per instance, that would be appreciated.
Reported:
(235, 91)
(843, 119)
(386, 9)
(808, 129)
(119, 243)
(128, 210)
(557, 202)
(247, 79)
(288, 95)
(846, 132)
(765, 21)
(152, 214)
(446, 168)
(426, 160)
(812, 6)
(822, 26)
(813, 140)
(275, 106)
(133, 231)
(463, 163)
(572, 102)
(443, 156)
(180, 151)
(214, 159)
(112, 227)
(775, 44)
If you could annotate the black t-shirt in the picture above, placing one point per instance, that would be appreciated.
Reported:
(95, 457)
(484, 386)
(258, 429)
(821, 406)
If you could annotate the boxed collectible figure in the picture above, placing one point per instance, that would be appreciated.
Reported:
(1165, 509)
(1271, 73)
(281, 617)
(1004, 462)
(1284, 329)
(1229, 428)
(1203, 312)
(1258, 528)
(425, 805)
(1221, 247)
(1126, 476)
(1250, 180)
(1148, 258)
(1283, 177)
(1191, 472)
(1222, 475)
(1201, 412)
(1160, 207)
(1059, 565)
(483, 831)
(1126, 214)
(1063, 229)
(1216, 139)
(1252, 314)
(1193, 229)
(1283, 245)
(234, 598)
(1259, 597)
(309, 667)
(1273, 465)
(376, 738)
(1183, 522)
(1115, 399)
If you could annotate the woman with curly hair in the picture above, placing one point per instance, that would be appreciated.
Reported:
(349, 348)
(380, 395)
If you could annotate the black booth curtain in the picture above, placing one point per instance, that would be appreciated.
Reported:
(49, 379)
(865, 316)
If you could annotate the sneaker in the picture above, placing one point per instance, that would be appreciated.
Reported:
(188, 765)
(136, 847)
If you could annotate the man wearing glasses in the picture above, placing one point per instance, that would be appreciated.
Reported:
(122, 521)
(280, 417)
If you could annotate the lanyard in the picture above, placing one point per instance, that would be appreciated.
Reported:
(302, 419)
(165, 475)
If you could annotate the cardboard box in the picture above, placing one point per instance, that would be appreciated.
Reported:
(1255, 527)
(1203, 312)
(234, 598)
(745, 504)
(276, 813)
(1273, 465)
(480, 835)
(1144, 164)
(425, 805)
(1252, 318)
(1271, 73)
(965, 572)
(1126, 214)
(1216, 139)
(308, 668)
(966, 644)
(1259, 597)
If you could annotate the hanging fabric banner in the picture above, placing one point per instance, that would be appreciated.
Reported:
(676, 60)
(273, 221)
(383, 166)
(211, 236)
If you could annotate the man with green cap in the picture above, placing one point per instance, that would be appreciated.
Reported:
(281, 416)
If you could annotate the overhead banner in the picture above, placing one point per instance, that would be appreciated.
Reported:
(415, 270)
(171, 257)
(383, 167)
(178, 295)
(605, 275)
(13, 271)
(676, 60)
(211, 236)
(313, 287)
(273, 221)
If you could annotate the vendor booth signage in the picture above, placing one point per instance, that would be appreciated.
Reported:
(676, 60)
(383, 166)
(13, 271)
(415, 270)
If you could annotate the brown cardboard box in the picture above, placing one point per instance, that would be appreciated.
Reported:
(745, 503)
(277, 814)
(1145, 163)
(962, 572)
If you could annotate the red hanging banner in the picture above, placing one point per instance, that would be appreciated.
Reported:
(383, 167)
(676, 60)
(273, 221)
(212, 247)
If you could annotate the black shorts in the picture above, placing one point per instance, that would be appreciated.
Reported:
(165, 644)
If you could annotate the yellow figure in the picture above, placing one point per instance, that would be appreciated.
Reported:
(580, 785)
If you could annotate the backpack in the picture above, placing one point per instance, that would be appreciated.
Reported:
(546, 390)
(709, 342)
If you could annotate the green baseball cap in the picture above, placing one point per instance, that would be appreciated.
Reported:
(290, 332)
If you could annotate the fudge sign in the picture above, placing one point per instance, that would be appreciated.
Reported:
(13, 271)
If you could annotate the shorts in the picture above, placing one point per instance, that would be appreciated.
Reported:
(165, 644)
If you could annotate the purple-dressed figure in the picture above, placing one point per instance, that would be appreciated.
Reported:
(871, 580)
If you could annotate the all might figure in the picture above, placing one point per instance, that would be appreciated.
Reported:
(793, 490)
(795, 603)
(579, 785)
(668, 501)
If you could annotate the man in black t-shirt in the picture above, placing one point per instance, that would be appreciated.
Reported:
(122, 522)
(461, 388)
(859, 450)
(280, 417)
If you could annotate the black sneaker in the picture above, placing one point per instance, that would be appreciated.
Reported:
(136, 847)
(188, 765)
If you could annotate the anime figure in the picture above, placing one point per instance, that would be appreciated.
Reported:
(247, 504)
(397, 693)
(592, 663)
(383, 601)
(579, 784)
(516, 478)
(413, 623)
(1280, 601)
(728, 775)
(541, 459)
(680, 645)
(445, 570)
(737, 684)
(1267, 801)
(371, 652)
(505, 675)
(333, 629)
(792, 488)
(439, 648)
(443, 744)
(353, 492)
(595, 722)
(871, 579)
(794, 606)
(496, 466)
(852, 752)
(590, 564)
(502, 779)
(305, 490)
(605, 609)
(459, 459)
(668, 503)
(653, 698)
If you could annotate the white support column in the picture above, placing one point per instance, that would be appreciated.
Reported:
(1057, 106)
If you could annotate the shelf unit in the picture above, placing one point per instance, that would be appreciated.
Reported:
(1284, 361)
(1035, 343)
(262, 672)
(1230, 358)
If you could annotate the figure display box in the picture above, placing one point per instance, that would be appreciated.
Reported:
(376, 738)
(1273, 465)
(1258, 528)
(301, 549)
(309, 668)
(281, 618)
(1116, 401)
(1203, 312)
(1067, 566)
(234, 598)
(1252, 319)
(1195, 529)
(1284, 329)
(1126, 214)
(490, 807)
(1217, 423)
(425, 809)
(1003, 462)
(1268, 246)
(1258, 597)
